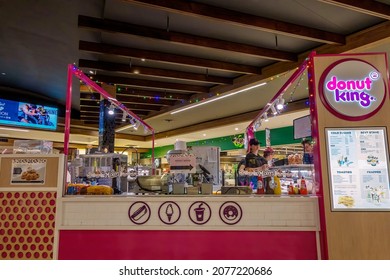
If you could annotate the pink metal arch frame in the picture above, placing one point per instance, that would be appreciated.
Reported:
(73, 70)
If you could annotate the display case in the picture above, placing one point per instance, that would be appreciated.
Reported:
(292, 175)
(98, 174)
(33, 147)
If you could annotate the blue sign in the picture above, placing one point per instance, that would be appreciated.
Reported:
(28, 115)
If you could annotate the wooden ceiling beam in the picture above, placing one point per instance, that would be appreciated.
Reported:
(130, 106)
(125, 98)
(152, 72)
(372, 8)
(91, 109)
(154, 94)
(150, 84)
(249, 116)
(128, 91)
(247, 20)
(167, 58)
(118, 27)
(356, 41)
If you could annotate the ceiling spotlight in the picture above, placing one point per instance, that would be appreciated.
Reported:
(266, 117)
(136, 125)
(111, 109)
(280, 104)
(257, 125)
(274, 112)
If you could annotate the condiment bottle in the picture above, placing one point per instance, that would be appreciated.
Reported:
(291, 188)
(260, 185)
(278, 187)
(303, 189)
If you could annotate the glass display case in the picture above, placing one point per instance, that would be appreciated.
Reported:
(98, 174)
(295, 177)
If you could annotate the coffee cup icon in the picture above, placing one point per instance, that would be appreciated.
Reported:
(199, 211)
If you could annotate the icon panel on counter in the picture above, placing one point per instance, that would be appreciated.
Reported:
(230, 213)
(199, 212)
(139, 212)
(169, 212)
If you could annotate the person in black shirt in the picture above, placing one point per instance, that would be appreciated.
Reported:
(254, 162)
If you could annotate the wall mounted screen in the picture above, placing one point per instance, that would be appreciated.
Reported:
(22, 114)
(302, 127)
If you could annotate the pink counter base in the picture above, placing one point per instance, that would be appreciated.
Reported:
(186, 245)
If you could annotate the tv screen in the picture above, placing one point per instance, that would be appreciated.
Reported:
(24, 114)
(302, 127)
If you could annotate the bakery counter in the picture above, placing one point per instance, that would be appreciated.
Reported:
(188, 227)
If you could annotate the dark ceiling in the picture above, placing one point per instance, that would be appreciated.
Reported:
(159, 55)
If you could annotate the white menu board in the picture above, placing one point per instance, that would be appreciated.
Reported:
(358, 164)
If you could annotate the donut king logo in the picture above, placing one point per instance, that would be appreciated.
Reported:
(352, 89)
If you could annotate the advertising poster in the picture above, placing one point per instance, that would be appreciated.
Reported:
(27, 115)
(358, 168)
(28, 171)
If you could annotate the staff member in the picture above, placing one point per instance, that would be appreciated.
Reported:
(268, 155)
(253, 162)
(307, 151)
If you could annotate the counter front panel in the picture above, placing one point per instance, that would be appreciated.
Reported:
(191, 227)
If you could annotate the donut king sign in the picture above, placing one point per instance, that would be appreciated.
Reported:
(352, 89)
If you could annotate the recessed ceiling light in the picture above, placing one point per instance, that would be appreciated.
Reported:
(204, 134)
(91, 72)
(143, 59)
(136, 72)
(236, 128)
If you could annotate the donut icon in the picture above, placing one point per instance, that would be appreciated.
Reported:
(230, 213)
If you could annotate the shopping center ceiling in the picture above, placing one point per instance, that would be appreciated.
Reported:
(161, 56)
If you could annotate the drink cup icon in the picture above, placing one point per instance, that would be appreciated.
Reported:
(199, 211)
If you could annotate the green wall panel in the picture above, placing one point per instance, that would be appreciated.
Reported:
(279, 136)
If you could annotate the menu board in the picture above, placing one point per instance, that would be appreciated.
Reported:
(358, 164)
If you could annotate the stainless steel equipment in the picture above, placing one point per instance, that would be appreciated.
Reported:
(154, 183)
(103, 169)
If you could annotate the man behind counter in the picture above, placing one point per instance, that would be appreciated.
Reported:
(254, 162)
